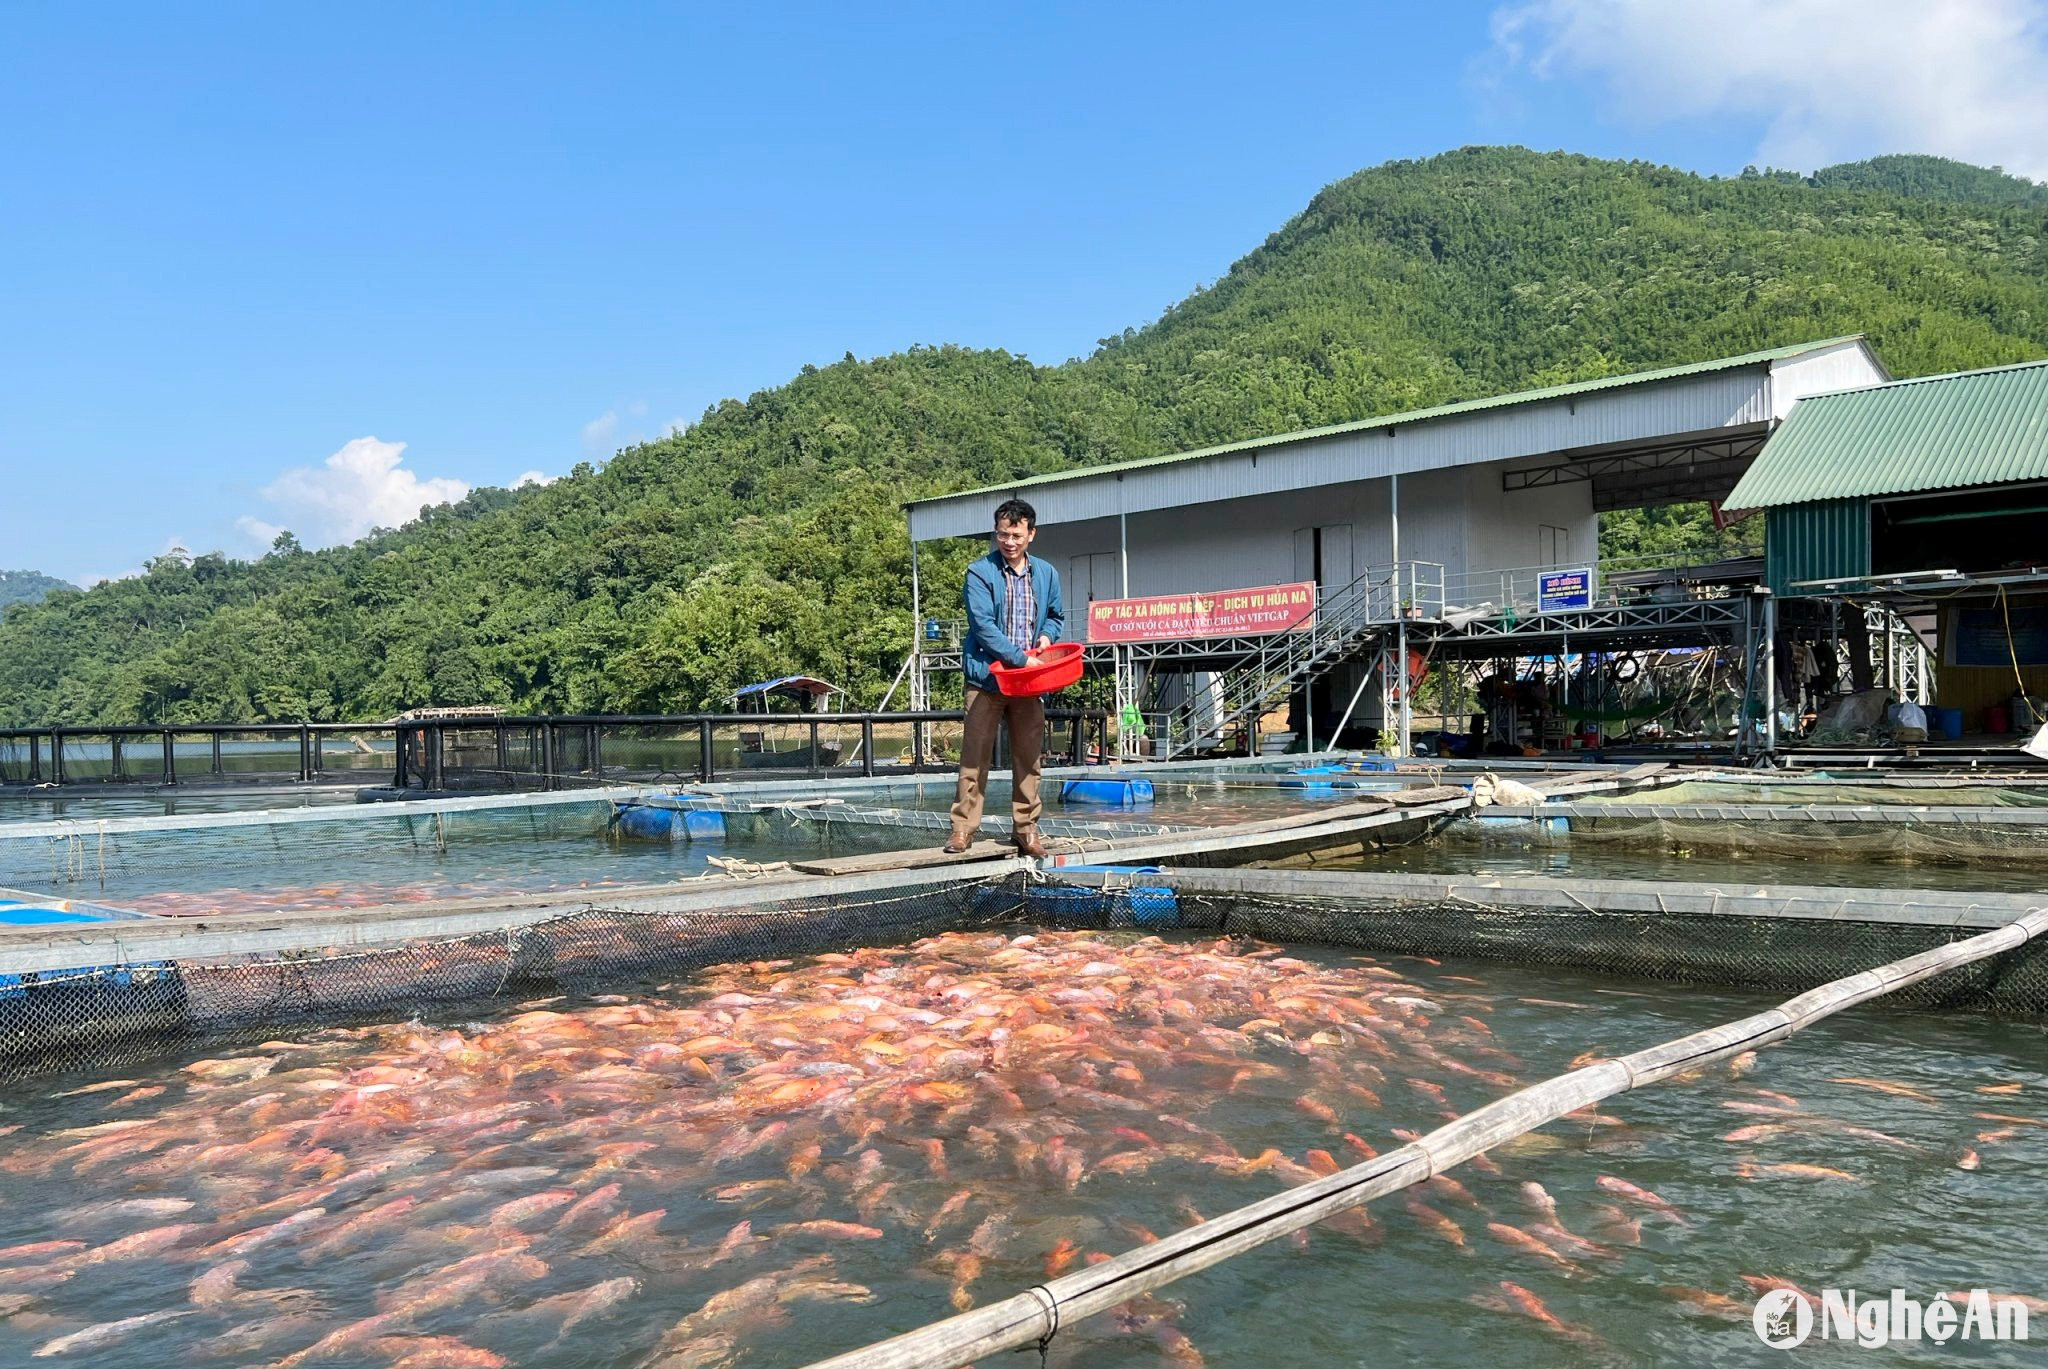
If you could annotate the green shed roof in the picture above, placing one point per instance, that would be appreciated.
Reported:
(1400, 420)
(1935, 433)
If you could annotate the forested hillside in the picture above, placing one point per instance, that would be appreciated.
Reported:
(766, 538)
(18, 586)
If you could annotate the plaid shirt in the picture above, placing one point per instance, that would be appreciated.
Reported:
(1020, 606)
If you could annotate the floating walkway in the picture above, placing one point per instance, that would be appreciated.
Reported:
(1905, 815)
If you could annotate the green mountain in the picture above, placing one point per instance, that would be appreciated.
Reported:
(26, 586)
(1934, 177)
(766, 538)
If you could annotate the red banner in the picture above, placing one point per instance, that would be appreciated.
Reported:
(1216, 613)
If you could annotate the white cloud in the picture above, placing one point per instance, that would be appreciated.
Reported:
(1836, 80)
(597, 433)
(256, 530)
(534, 478)
(601, 435)
(360, 487)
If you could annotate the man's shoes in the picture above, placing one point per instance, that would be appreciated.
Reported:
(1028, 843)
(957, 844)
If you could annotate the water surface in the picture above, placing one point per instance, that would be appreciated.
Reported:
(765, 1164)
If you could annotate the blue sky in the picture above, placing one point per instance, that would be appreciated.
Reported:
(240, 240)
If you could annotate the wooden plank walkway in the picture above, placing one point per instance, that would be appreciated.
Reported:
(920, 858)
(1438, 793)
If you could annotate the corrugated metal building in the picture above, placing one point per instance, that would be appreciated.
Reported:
(1510, 482)
(1845, 482)
(1929, 495)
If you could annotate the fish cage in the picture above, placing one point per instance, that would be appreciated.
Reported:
(311, 967)
(2012, 836)
(506, 1072)
(113, 855)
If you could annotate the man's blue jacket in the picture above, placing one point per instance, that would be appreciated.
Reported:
(986, 641)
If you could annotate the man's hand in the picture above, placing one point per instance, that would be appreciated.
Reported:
(1043, 642)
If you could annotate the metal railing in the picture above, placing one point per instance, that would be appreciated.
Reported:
(511, 752)
(193, 753)
(1379, 598)
(563, 752)
(1662, 577)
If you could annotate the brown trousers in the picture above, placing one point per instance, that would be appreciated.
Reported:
(986, 710)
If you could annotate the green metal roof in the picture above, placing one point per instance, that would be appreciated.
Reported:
(1419, 415)
(1934, 433)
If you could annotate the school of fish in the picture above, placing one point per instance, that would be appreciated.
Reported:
(680, 1177)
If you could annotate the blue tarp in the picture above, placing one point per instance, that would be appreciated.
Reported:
(30, 915)
(790, 684)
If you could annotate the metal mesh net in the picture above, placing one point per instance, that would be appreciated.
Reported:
(1789, 953)
(1790, 838)
(118, 854)
(106, 1016)
(1897, 791)
(110, 1015)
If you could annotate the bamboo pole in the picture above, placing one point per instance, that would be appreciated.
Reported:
(1035, 1316)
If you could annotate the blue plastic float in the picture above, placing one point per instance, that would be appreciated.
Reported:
(1148, 905)
(660, 822)
(1130, 793)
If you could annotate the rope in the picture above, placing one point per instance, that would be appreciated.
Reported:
(2013, 651)
(1052, 1319)
(737, 868)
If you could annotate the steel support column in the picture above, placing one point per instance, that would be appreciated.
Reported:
(1770, 666)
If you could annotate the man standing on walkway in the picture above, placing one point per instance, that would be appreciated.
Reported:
(1013, 611)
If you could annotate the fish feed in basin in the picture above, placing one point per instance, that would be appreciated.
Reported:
(1052, 669)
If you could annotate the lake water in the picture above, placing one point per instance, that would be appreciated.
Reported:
(1608, 860)
(763, 1165)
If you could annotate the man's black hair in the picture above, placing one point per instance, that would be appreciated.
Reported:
(1016, 511)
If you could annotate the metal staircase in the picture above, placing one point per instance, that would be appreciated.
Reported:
(1362, 614)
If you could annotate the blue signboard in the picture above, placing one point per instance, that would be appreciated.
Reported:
(1561, 591)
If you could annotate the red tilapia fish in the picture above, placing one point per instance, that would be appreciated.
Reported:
(686, 1174)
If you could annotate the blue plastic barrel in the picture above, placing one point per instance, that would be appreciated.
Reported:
(1948, 722)
(646, 822)
(1129, 793)
(1298, 779)
(659, 822)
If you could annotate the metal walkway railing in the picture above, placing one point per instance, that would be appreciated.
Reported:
(1346, 620)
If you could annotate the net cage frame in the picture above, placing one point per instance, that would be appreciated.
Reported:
(2015, 836)
(113, 993)
(133, 856)
(56, 853)
(1950, 951)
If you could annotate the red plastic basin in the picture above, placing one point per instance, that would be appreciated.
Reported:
(1059, 665)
